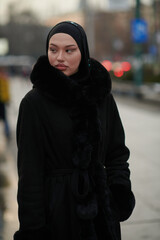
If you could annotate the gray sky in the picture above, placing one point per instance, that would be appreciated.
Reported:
(48, 8)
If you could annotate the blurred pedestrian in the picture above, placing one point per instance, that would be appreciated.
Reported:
(74, 180)
(4, 100)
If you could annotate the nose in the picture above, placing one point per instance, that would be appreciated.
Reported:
(60, 56)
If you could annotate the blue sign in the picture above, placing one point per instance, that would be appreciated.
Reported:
(139, 31)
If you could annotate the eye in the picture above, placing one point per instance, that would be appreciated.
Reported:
(53, 50)
(70, 50)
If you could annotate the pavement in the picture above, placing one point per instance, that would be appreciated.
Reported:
(146, 93)
(145, 220)
(8, 154)
(143, 105)
(8, 189)
(142, 126)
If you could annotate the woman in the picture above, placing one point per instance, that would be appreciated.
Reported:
(4, 100)
(72, 159)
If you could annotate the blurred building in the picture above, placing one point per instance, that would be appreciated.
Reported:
(108, 31)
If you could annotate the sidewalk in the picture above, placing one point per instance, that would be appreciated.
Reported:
(18, 87)
(149, 94)
(8, 186)
(141, 121)
(2, 180)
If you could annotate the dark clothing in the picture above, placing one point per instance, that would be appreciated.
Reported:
(60, 196)
(2, 111)
(3, 117)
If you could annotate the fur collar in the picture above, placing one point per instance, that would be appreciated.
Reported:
(65, 89)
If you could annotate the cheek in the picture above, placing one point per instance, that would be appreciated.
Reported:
(76, 61)
(51, 59)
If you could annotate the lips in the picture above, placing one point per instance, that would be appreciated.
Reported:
(61, 67)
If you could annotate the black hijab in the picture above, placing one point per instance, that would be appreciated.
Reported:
(78, 34)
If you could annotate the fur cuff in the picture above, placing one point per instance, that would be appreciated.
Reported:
(124, 200)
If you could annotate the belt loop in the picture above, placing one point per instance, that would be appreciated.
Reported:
(77, 174)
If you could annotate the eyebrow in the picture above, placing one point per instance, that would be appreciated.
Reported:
(70, 45)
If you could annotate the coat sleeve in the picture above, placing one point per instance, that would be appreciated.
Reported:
(117, 167)
(30, 196)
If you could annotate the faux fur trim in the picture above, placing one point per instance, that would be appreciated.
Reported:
(50, 80)
(124, 199)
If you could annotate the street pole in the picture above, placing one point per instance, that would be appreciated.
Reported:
(89, 25)
(138, 72)
(156, 41)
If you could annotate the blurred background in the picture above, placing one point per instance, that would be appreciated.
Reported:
(124, 35)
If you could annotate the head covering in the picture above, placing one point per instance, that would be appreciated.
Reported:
(78, 34)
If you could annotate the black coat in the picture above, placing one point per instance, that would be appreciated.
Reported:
(60, 198)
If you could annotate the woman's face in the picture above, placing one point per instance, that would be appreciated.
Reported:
(64, 53)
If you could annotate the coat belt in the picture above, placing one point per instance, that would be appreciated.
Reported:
(80, 181)
(61, 171)
(82, 185)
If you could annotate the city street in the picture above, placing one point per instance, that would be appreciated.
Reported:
(142, 127)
